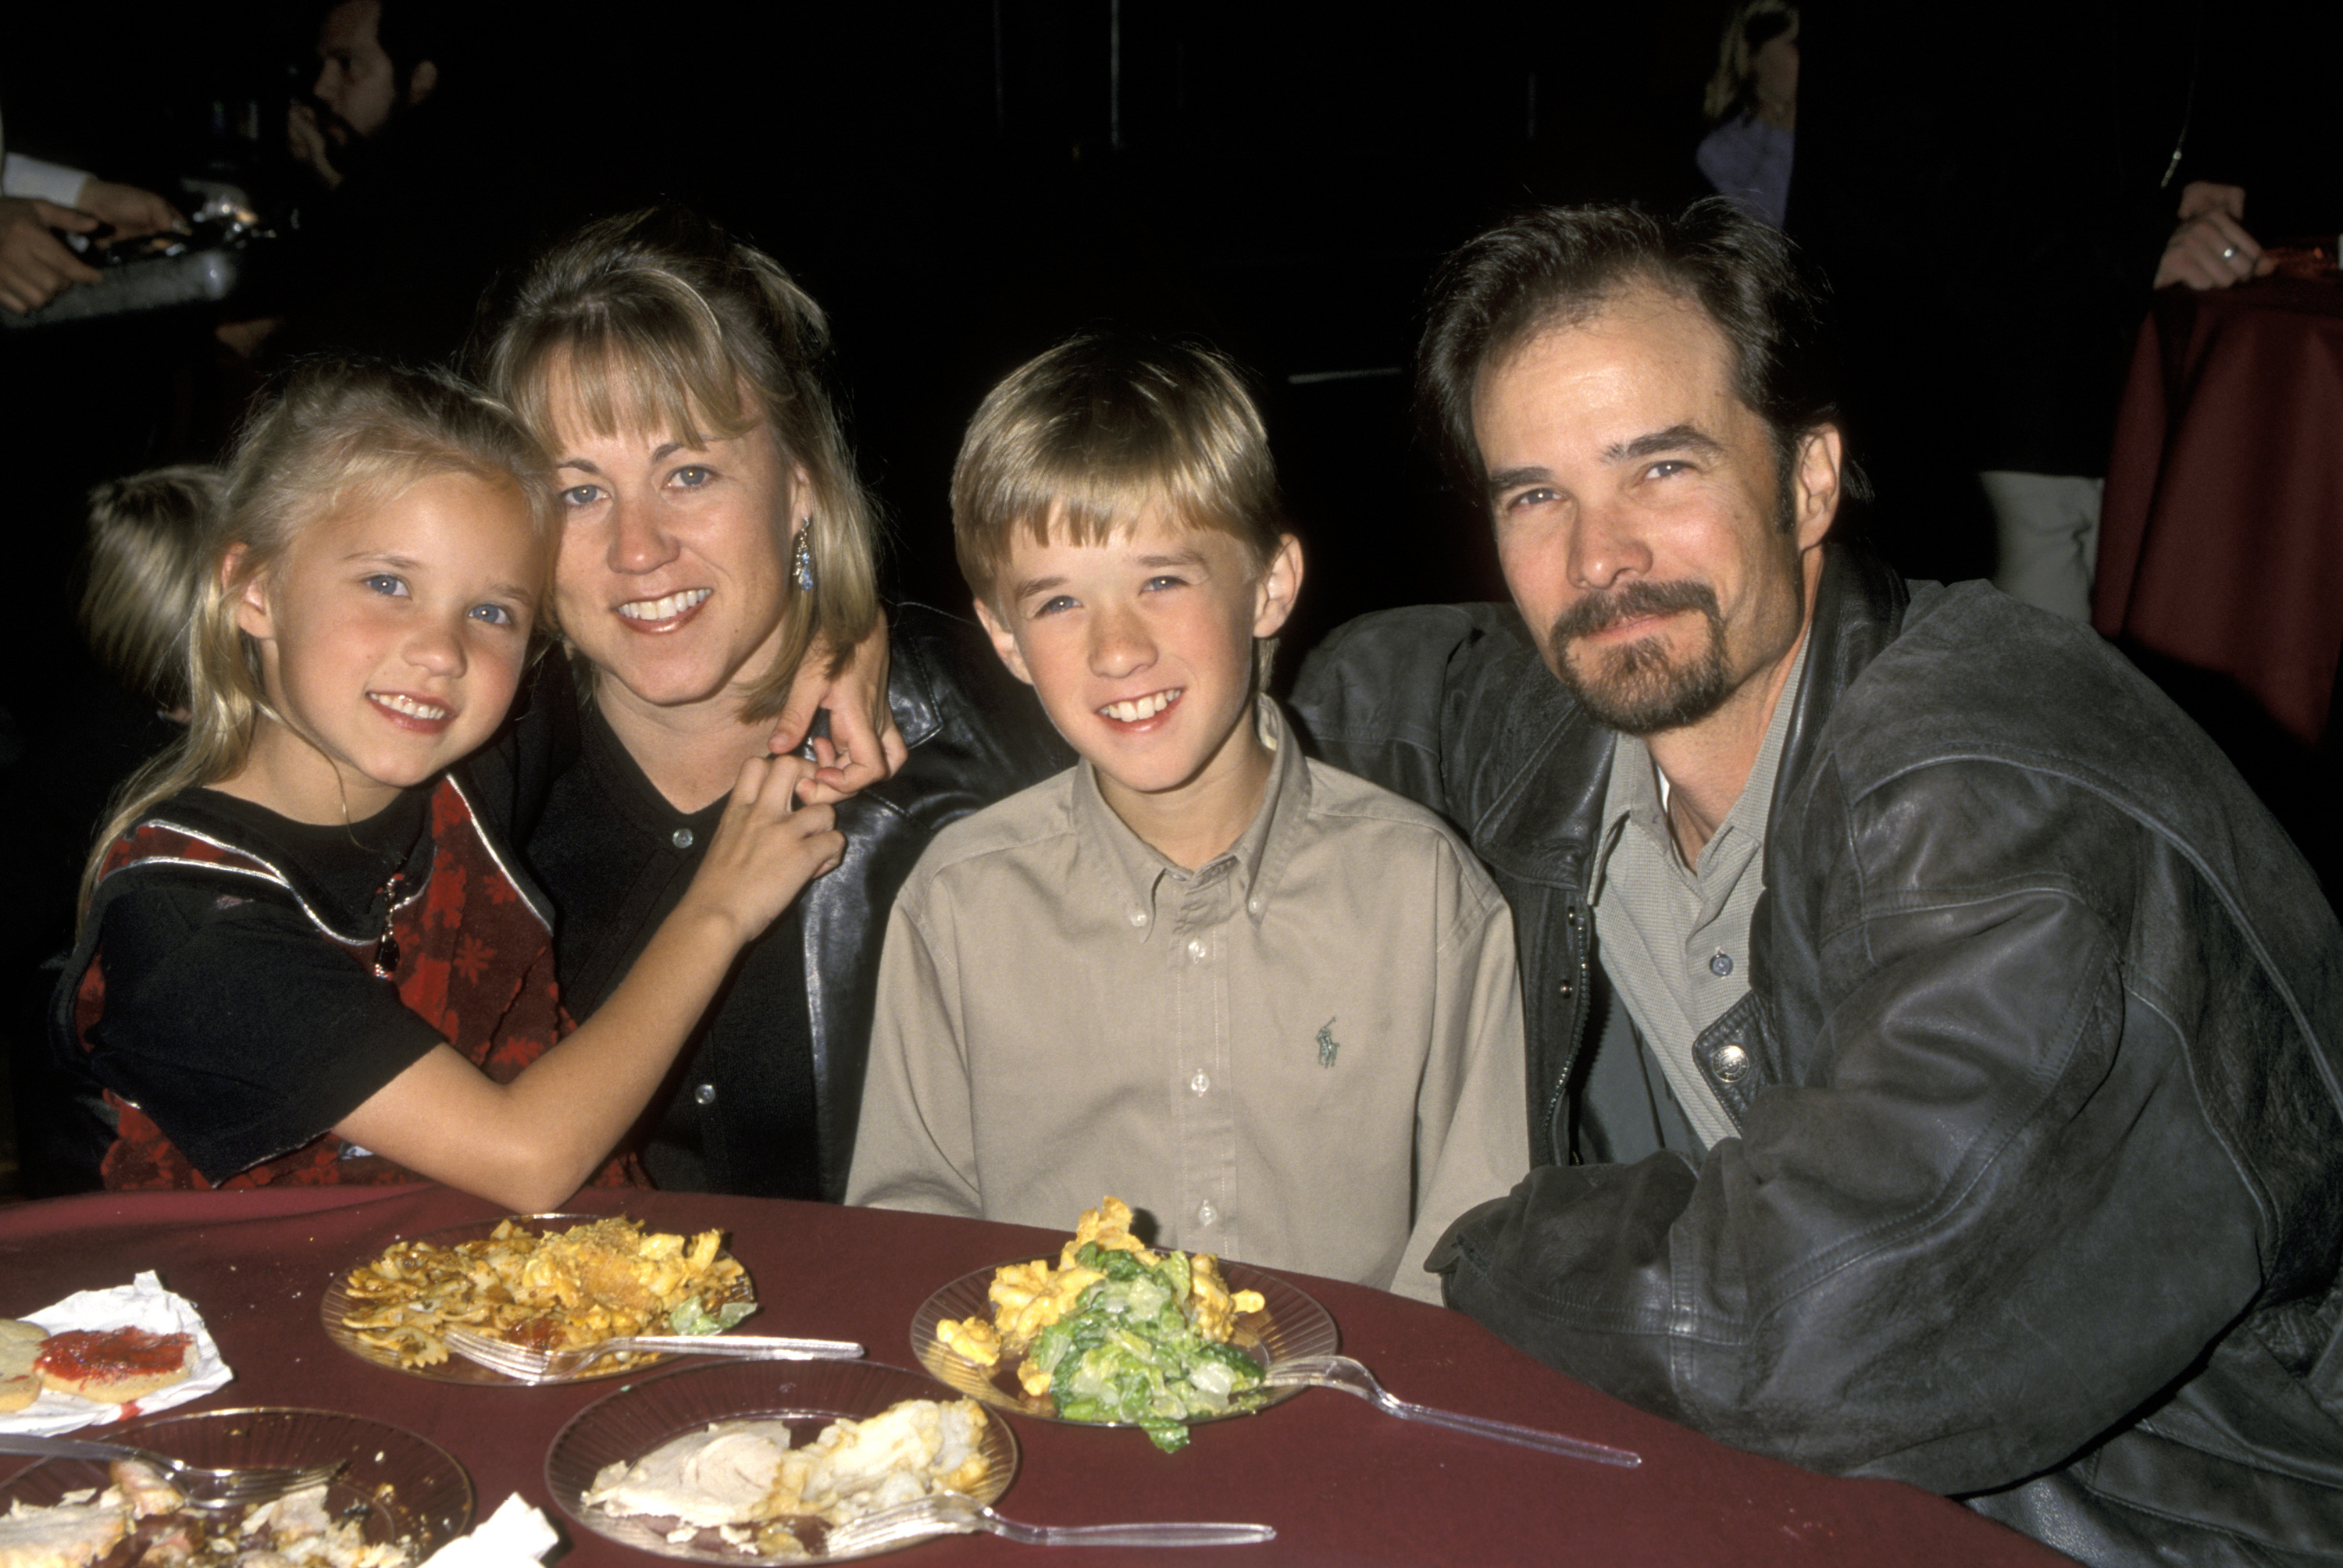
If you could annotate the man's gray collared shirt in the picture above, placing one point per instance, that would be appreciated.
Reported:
(1674, 939)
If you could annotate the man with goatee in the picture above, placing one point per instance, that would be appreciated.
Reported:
(1933, 1046)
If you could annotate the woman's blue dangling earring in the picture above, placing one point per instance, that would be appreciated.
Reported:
(802, 563)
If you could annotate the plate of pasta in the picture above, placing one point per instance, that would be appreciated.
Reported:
(544, 1281)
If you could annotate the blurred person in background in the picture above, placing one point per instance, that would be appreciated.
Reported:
(1753, 99)
(136, 595)
(410, 208)
(138, 579)
(361, 87)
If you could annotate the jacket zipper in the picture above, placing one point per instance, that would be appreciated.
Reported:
(1576, 916)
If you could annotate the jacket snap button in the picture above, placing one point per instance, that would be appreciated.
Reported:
(1731, 1062)
(1564, 987)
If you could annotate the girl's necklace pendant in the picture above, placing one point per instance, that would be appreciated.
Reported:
(385, 947)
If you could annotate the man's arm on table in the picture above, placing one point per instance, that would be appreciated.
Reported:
(1990, 1222)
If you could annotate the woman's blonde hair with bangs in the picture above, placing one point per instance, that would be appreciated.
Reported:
(340, 435)
(659, 320)
(1076, 442)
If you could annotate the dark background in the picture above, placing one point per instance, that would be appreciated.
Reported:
(960, 184)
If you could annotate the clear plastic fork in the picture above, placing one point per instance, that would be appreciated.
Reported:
(950, 1513)
(1353, 1377)
(201, 1485)
(525, 1365)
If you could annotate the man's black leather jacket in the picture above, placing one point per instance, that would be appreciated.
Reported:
(2038, 1199)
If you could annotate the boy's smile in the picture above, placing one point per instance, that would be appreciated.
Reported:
(1141, 651)
(1140, 710)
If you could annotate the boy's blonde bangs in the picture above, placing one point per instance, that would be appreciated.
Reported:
(1079, 444)
(1089, 508)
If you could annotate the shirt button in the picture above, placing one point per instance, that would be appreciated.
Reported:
(1722, 964)
(1196, 948)
(705, 1094)
(681, 837)
(1206, 1213)
(1139, 916)
(1253, 904)
(1731, 1062)
(1200, 1083)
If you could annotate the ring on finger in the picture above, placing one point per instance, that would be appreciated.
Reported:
(2229, 252)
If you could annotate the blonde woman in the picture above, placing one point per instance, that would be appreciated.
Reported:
(716, 545)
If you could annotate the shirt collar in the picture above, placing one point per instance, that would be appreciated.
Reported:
(1140, 874)
(1634, 793)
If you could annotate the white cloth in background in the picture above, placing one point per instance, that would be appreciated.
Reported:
(2047, 537)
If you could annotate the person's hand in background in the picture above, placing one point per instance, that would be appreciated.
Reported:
(35, 266)
(2211, 248)
(131, 211)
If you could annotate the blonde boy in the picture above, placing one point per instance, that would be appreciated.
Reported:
(1272, 1006)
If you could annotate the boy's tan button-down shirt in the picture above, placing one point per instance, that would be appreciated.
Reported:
(1304, 1055)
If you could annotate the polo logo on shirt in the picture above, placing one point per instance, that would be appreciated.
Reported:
(1327, 1044)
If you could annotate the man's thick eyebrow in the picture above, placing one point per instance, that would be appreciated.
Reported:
(1674, 438)
(1513, 478)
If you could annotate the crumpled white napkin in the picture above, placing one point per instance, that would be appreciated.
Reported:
(142, 1304)
(515, 1536)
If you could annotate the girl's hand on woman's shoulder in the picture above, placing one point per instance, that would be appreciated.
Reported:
(767, 848)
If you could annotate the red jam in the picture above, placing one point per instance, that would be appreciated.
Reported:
(111, 1355)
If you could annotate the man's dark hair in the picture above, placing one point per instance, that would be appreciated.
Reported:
(1558, 266)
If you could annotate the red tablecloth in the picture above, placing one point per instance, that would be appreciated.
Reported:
(2221, 536)
(1342, 1483)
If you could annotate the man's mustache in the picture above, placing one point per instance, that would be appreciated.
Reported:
(1600, 612)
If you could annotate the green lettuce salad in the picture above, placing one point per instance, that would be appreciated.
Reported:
(689, 1317)
(1128, 1352)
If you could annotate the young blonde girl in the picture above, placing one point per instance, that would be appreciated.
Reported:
(302, 958)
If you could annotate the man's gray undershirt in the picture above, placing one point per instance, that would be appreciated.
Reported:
(1675, 941)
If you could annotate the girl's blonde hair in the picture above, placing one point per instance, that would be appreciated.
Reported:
(339, 436)
(1753, 24)
(660, 321)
